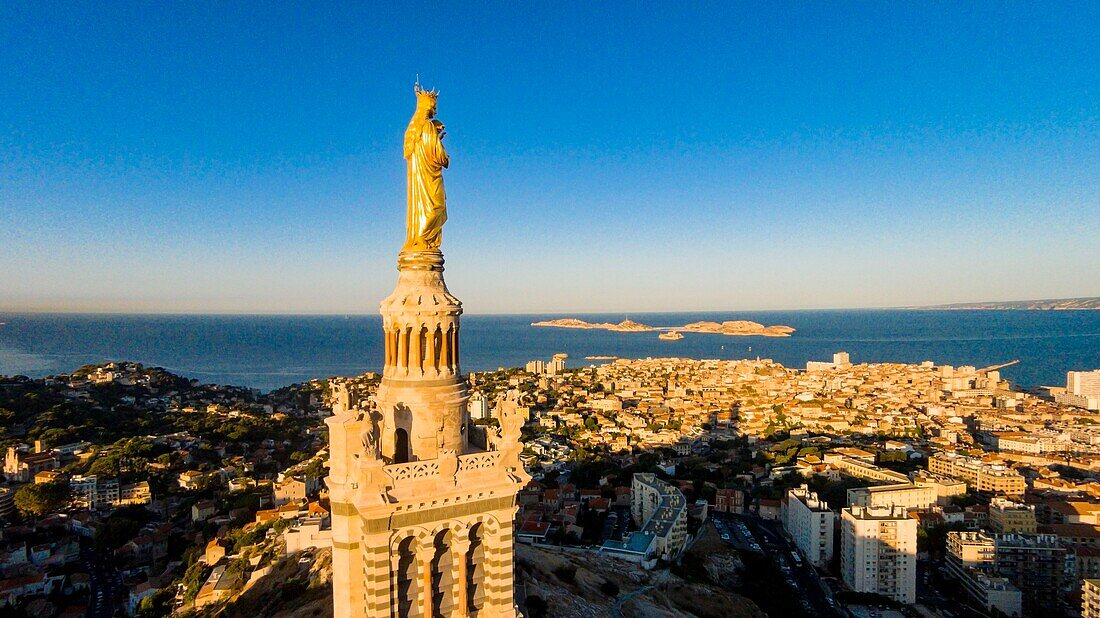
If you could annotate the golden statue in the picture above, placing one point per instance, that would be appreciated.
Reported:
(427, 207)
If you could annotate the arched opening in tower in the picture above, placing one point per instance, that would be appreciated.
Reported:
(408, 596)
(475, 570)
(443, 579)
(437, 344)
(401, 446)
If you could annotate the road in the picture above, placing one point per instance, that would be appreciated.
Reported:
(933, 602)
(806, 576)
(104, 583)
(768, 536)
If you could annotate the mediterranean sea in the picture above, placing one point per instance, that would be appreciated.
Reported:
(267, 352)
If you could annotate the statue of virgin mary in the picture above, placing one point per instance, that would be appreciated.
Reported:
(427, 201)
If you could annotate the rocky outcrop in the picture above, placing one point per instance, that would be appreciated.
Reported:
(587, 584)
(626, 326)
(734, 328)
(739, 328)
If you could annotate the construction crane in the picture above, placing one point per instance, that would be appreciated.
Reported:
(996, 367)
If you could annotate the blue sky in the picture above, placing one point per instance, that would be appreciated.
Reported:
(626, 157)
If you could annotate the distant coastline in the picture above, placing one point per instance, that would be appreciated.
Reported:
(1088, 303)
(733, 328)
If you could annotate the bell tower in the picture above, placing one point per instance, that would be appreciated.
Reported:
(423, 502)
(423, 395)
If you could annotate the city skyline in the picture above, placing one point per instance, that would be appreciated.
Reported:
(187, 160)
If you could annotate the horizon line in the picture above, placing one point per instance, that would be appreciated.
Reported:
(626, 314)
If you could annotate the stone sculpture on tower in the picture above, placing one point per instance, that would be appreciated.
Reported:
(423, 502)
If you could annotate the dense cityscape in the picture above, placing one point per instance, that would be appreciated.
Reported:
(842, 487)
(203, 415)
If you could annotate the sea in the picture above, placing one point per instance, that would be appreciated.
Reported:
(266, 352)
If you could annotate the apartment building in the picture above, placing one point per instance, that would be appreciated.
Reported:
(1090, 598)
(1082, 390)
(979, 475)
(91, 492)
(971, 559)
(660, 510)
(902, 495)
(879, 552)
(860, 468)
(1007, 516)
(1036, 564)
(810, 523)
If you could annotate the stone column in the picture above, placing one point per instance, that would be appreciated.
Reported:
(379, 575)
(395, 573)
(499, 585)
(454, 349)
(347, 560)
(430, 338)
(460, 547)
(414, 349)
(425, 551)
(402, 349)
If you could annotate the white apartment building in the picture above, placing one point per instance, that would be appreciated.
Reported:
(901, 495)
(1083, 382)
(478, 407)
(810, 523)
(1032, 443)
(90, 493)
(879, 552)
(660, 510)
(556, 365)
(841, 360)
(1082, 390)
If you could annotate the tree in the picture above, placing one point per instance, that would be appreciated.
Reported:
(105, 466)
(41, 498)
(892, 457)
(193, 580)
(156, 605)
(314, 469)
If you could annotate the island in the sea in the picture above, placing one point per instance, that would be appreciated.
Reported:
(731, 327)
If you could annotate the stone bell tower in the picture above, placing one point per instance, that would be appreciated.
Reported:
(423, 395)
(423, 502)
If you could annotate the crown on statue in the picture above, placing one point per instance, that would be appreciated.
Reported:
(425, 97)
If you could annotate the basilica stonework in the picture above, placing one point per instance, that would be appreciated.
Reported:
(422, 500)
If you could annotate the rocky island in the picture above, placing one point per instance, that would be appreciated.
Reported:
(738, 327)
(731, 327)
(626, 326)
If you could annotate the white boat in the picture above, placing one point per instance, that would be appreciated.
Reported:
(670, 336)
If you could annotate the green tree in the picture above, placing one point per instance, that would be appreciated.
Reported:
(314, 469)
(106, 466)
(193, 580)
(41, 498)
(156, 606)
